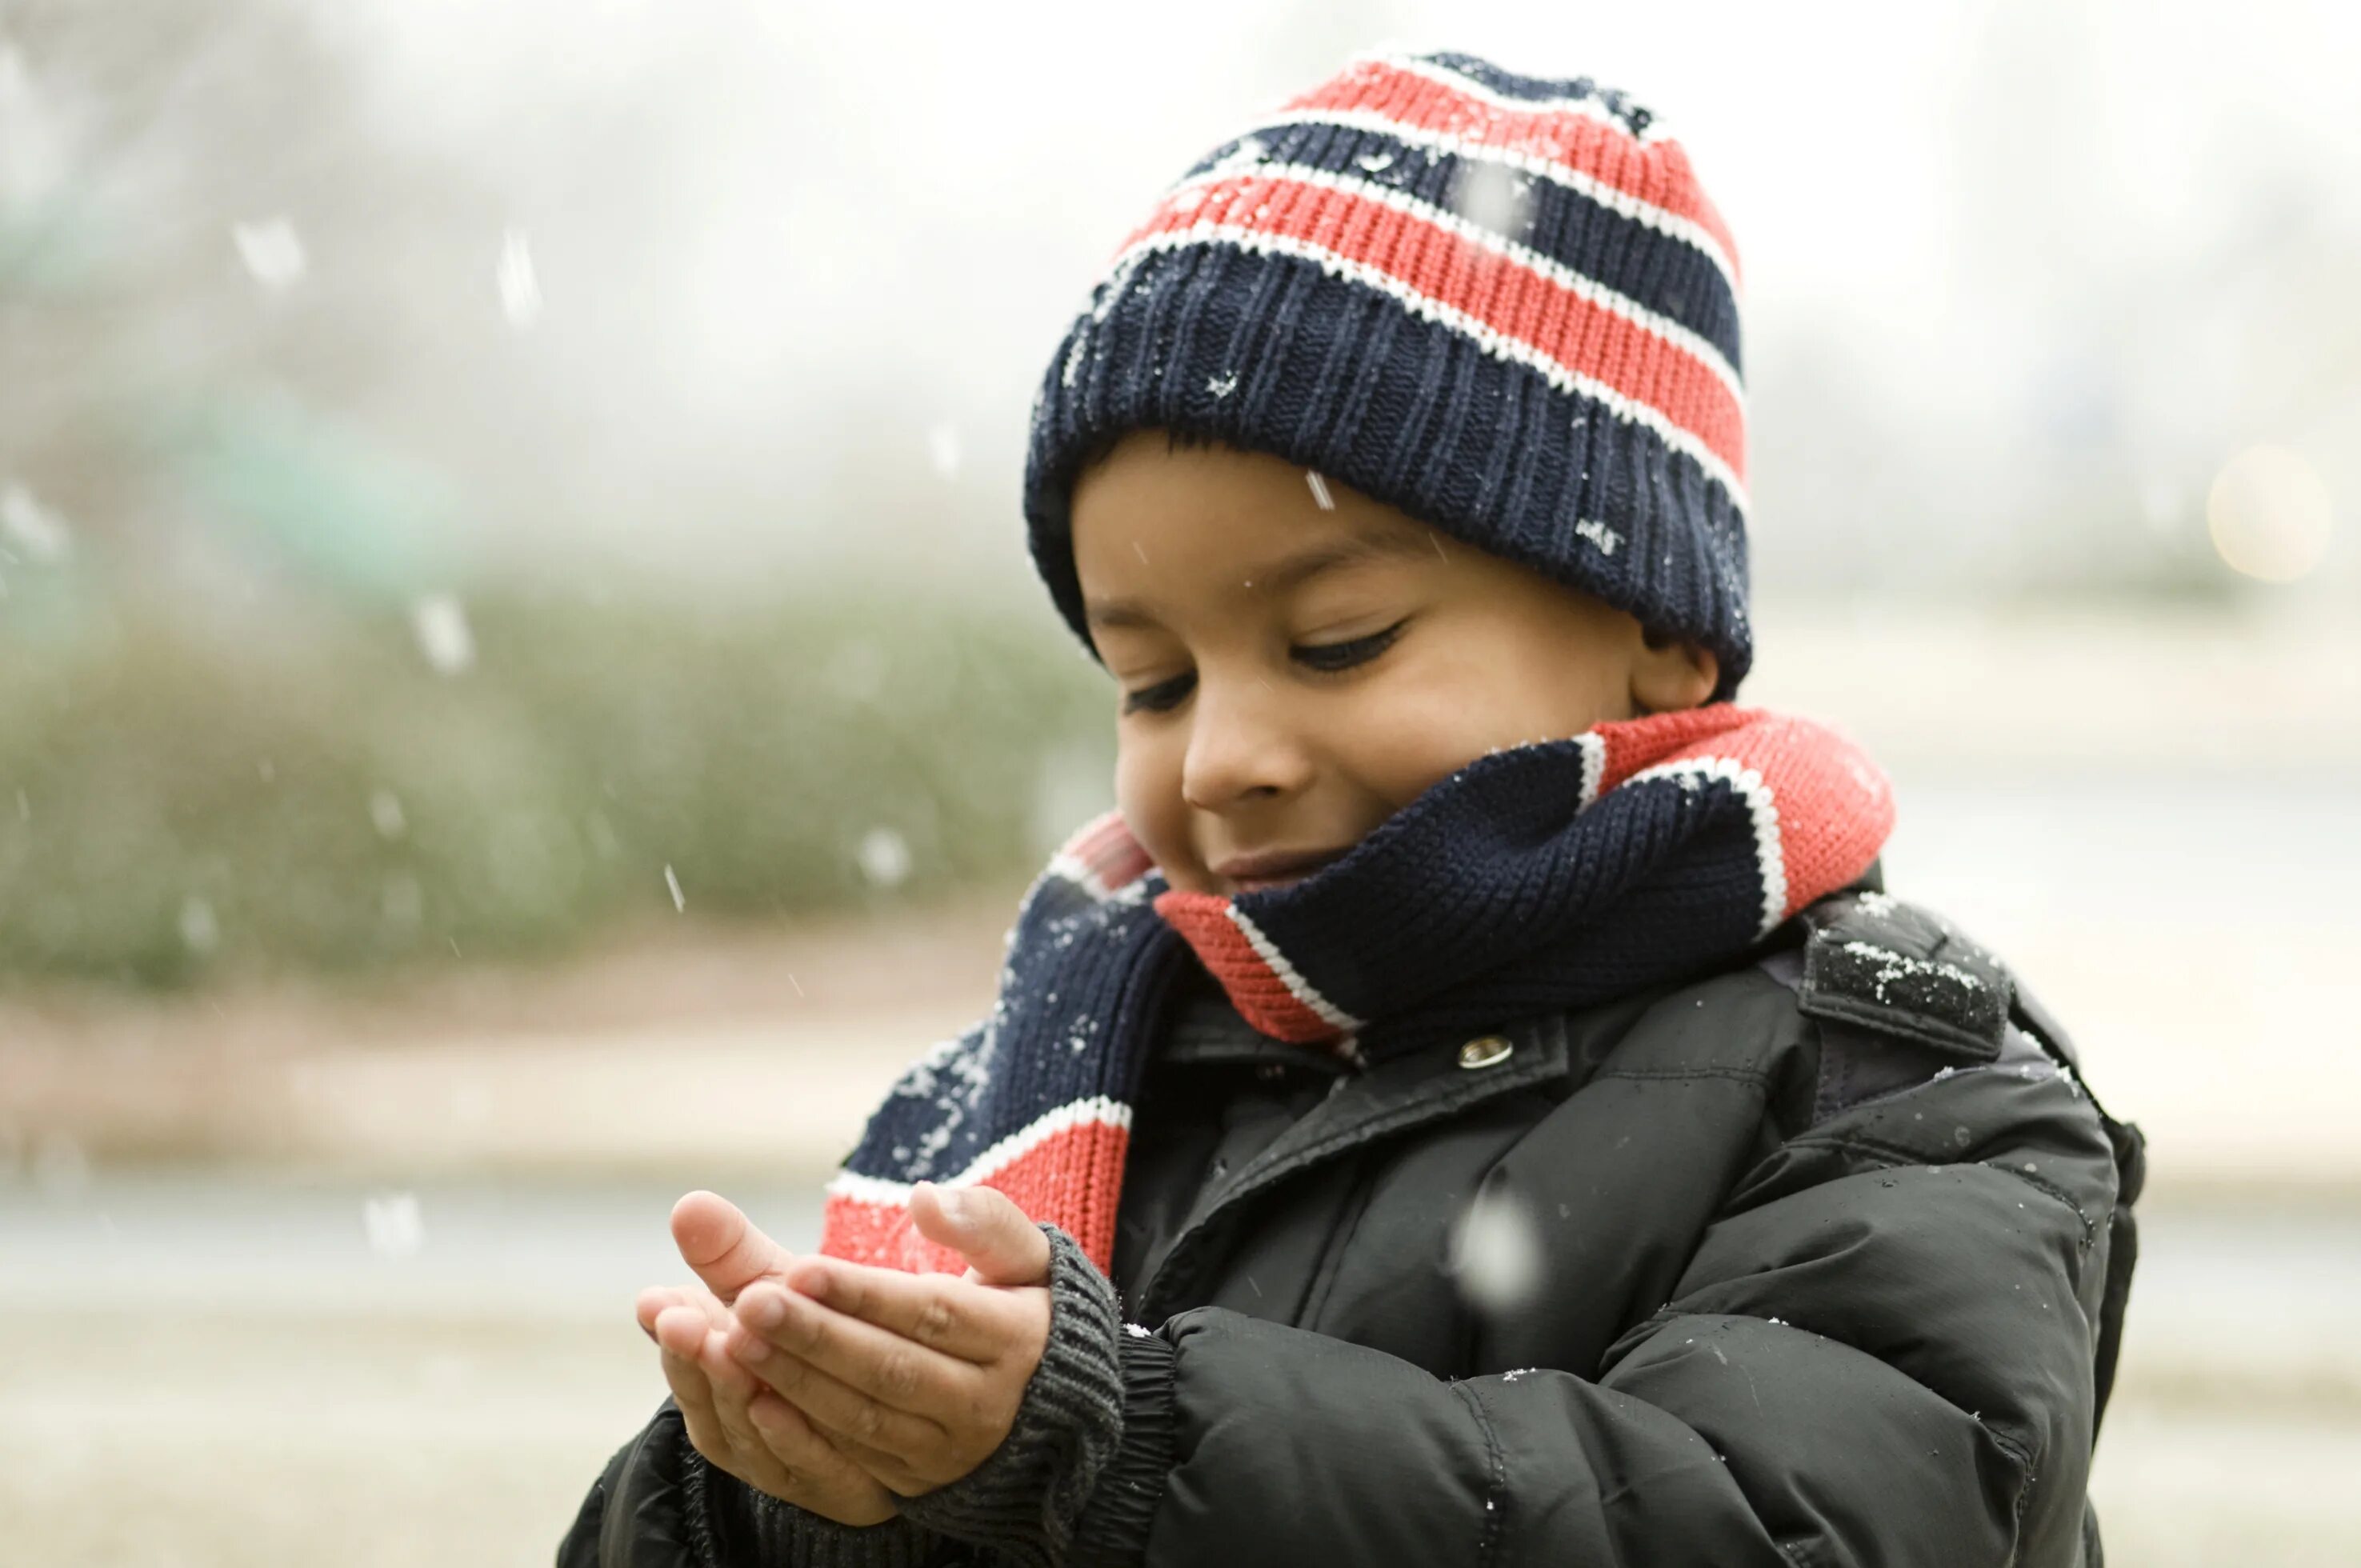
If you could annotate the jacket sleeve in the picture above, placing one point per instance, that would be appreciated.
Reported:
(660, 1505)
(1880, 1353)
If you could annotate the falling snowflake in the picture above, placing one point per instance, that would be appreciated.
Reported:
(1493, 197)
(1496, 1253)
(273, 251)
(520, 286)
(33, 529)
(672, 882)
(1320, 494)
(394, 1224)
(943, 449)
(198, 929)
(441, 625)
(385, 814)
(885, 857)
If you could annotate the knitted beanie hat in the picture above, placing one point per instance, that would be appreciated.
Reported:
(1500, 303)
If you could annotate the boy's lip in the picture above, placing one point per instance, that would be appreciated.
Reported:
(1270, 867)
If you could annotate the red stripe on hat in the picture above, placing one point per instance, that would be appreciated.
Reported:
(1657, 172)
(1504, 295)
(1261, 998)
(1071, 1178)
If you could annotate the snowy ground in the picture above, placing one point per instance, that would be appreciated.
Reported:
(210, 1369)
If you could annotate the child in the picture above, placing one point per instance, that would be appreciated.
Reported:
(1472, 1101)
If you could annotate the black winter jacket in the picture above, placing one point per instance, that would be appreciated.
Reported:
(1820, 1259)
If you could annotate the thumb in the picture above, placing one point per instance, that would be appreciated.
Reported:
(986, 1226)
(720, 1243)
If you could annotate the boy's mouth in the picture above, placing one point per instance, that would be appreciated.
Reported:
(1273, 867)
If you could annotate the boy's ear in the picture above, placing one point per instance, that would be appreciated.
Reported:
(1672, 674)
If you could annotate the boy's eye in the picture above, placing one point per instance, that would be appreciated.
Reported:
(1344, 655)
(1160, 698)
(1325, 657)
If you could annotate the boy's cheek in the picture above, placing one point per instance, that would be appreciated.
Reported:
(1147, 792)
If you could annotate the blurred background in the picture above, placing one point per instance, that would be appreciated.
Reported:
(521, 692)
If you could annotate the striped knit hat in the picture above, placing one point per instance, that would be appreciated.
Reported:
(1500, 303)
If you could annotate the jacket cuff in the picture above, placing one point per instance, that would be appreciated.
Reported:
(1025, 1500)
(728, 1523)
(1114, 1532)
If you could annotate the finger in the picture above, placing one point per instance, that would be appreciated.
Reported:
(717, 1240)
(652, 1303)
(719, 1428)
(694, 1396)
(681, 1330)
(834, 1406)
(656, 1297)
(898, 1373)
(901, 1476)
(986, 1227)
(936, 1310)
(733, 1386)
(825, 1456)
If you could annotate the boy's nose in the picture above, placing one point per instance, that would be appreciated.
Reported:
(1241, 744)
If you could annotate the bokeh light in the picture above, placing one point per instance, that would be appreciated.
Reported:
(2270, 514)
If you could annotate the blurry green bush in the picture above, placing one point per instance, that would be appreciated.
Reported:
(315, 796)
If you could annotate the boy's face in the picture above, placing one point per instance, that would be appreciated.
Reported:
(1292, 675)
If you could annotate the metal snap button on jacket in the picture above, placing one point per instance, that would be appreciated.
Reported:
(1484, 1050)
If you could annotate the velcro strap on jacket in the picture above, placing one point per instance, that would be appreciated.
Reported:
(1883, 964)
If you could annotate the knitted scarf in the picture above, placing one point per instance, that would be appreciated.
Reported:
(1543, 877)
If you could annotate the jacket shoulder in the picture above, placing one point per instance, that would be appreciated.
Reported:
(1857, 965)
(1900, 968)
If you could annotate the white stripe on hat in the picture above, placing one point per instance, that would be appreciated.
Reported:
(1550, 269)
(1498, 344)
(1622, 202)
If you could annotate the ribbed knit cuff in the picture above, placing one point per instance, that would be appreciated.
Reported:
(1114, 1532)
(1025, 1500)
(731, 1525)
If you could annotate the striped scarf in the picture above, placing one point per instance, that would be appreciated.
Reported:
(1541, 878)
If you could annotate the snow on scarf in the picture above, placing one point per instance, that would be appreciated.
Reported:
(1540, 878)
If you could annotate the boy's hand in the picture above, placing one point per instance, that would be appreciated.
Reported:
(730, 1418)
(720, 1243)
(744, 1429)
(915, 1377)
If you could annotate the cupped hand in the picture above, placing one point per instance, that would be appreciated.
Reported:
(916, 1378)
(730, 1418)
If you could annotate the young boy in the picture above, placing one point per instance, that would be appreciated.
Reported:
(1472, 1101)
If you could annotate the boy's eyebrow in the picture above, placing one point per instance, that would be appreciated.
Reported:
(1294, 572)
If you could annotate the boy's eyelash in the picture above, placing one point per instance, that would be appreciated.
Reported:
(1360, 650)
(1328, 658)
